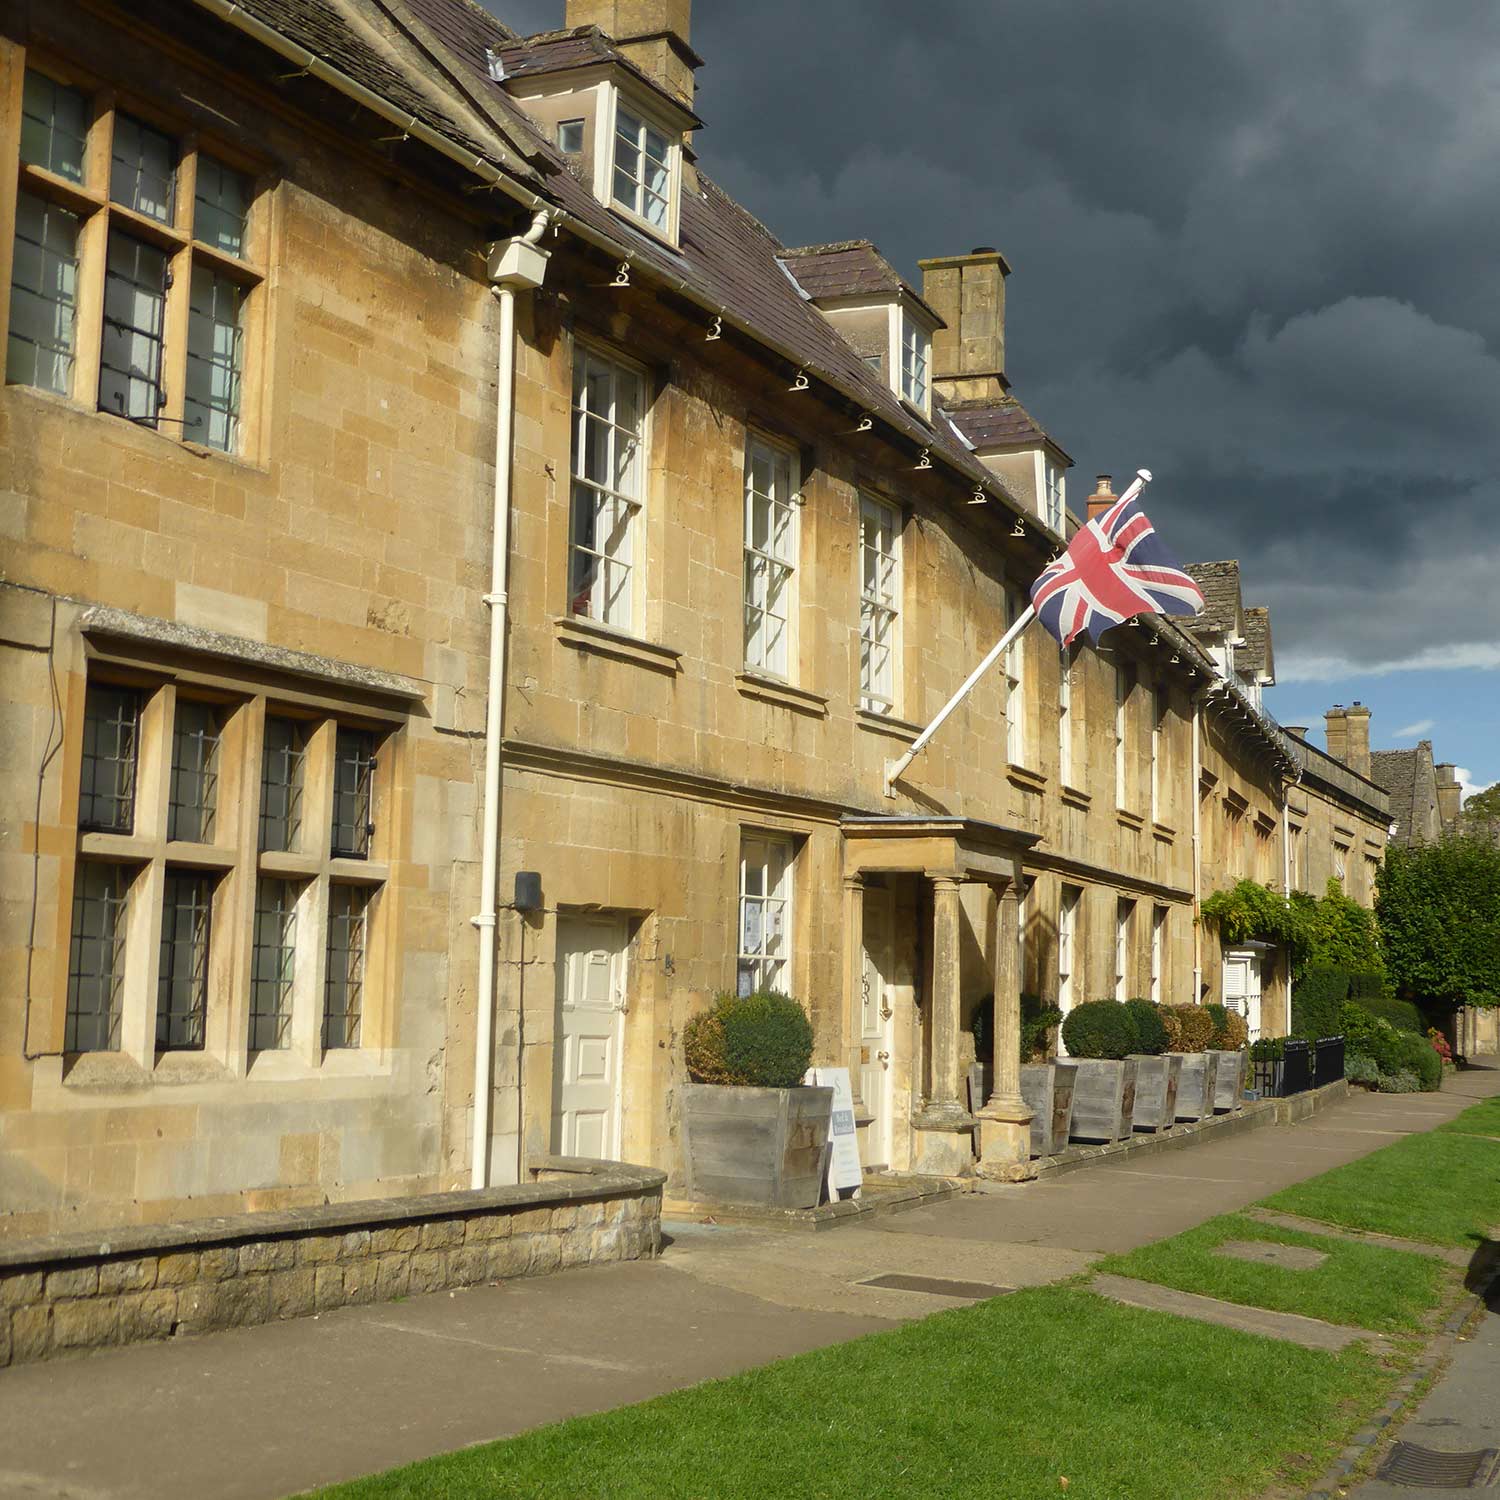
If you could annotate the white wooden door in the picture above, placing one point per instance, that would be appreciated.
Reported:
(590, 1014)
(876, 1012)
(1242, 988)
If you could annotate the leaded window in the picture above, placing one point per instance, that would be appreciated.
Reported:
(194, 796)
(43, 296)
(281, 784)
(221, 205)
(96, 958)
(353, 810)
(272, 964)
(215, 360)
(143, 169)
(182, 979)
(608, 418)
(111, 724)
(344, 976)
(135, 309)
(770, 557)
(54, 126)
(879, 604)
(765, 936)
(643, 169)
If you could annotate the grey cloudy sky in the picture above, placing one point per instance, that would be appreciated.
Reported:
(1254, 249)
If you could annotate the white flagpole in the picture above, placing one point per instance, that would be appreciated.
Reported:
(894, 768)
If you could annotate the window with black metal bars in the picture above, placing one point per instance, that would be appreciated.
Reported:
(344, 976)
(111, 735)
(182, 982)
(193, 800)
(272, 962)
(282, 767)
(96, 958)
(353, 812)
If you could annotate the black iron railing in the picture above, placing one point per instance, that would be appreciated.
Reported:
(1281, 1068)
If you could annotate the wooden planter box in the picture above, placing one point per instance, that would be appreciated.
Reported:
(1048, 1089)
(1229, 1080)
(1156, 1080)
(1195, 1086)
(767, 1147)
(1103, 1099)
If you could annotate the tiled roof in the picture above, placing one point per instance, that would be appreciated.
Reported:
(998, 424)
(1254, 658)
(1396, 771)
(850, 268)
(1220, 583)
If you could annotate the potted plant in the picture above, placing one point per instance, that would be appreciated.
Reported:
(752, 1131)
(1100, 1035)
(1227, 1048)
(1157, 1071)
(1190, 1029)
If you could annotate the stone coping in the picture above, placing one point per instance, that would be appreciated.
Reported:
(598, 1179)
(880, 1197)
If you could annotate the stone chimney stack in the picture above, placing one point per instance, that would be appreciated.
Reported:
(1449, 792)
(1338, 733)
(1102, 498)
(968, 293)
(653, 34)
(1357, 717)
(1299, 730)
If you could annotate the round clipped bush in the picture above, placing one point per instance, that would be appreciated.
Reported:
(1419, 1056)
(1100, 1028)
(1189, 1027)
(1235, 1034)
(762, 1040)
(1150, 1029)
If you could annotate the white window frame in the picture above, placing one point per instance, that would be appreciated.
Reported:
(1069, 902)
(1124, 916)
(777, 559)
(1053, 493)
(1015, 687)
(1160, 915)
(620, 610)
(1066, 658)
(645, 119)
(879, 604)
(766, 861)
(913, 362)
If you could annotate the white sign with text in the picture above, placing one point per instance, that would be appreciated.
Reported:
(844, 1170)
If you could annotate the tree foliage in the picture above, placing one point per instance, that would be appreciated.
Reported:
(1438, 907)
(1250, 911)
(1334, 931)
(1341, 932)
(1485, 804)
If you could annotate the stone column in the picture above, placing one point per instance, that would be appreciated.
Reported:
(945, 1129)
(854, 980)
(1005, 1120)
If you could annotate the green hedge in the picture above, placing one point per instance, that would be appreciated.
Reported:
(1100, 1028)
(1150, 1030)
(1317, 998)
(1402, 1014)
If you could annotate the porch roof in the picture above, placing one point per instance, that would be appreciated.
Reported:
(951, 847)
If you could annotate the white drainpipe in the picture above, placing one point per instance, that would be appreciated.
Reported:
(515, 265)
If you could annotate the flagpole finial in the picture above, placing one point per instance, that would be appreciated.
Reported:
(1144, 475)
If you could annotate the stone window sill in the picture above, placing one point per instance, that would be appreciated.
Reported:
(589, 635)
(1027, 779)
(1163, 831)
(1074, 797)
(783, 694)
(898, 729)
(1127, 819)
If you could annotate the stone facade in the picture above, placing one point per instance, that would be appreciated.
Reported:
(72, 1293)
(332, 574)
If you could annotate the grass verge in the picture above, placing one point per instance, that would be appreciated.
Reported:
(1363, 1286)
(1479, 1119)
(1002, 1398)
(1440, 1188)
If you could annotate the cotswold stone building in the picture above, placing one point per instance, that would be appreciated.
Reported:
(465, 583)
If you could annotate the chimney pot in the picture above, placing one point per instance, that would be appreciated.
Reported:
(1102, 498)
(1300, 730)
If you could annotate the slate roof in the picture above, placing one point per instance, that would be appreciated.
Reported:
(1396, 771)
(850, 268)
(1220, 584)
(999, 424)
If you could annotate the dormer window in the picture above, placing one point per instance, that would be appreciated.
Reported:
(643, 171)
(1053, 495)
(916, 355)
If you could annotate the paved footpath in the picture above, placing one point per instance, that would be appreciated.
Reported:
(261, 1413)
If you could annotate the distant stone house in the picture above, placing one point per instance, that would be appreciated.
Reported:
(1426, 799)
(420, 477)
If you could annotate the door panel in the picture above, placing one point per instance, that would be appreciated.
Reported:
(876, 1013)
(590, 1009)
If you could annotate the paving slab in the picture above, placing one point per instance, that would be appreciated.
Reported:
(1269, 1253)
(1455, 1255)
(1293, 1328)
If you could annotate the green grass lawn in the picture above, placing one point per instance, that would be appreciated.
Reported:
(1364, 1286)
(998, 1399)
(1438, 1187)
(1479, 1119)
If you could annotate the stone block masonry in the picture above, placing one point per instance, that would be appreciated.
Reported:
(88, 1291)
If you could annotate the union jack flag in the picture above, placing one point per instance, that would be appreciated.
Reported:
(1114, 569)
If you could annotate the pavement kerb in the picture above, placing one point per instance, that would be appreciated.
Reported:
(1360, 1450)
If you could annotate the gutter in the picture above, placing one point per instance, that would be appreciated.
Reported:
(516, 266)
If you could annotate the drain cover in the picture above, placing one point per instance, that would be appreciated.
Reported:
(974, 1291)
(1426, 1468)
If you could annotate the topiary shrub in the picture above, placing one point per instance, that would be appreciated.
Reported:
(1150, 1029)
(1190, 1028)
(1365, 985)
(1100, 1028)
(1370, 1035)
(1419, 1056)
(1402, 1014)
(1230, 1032)
(762, 1040)
(1037, 1022)
(1316, 998)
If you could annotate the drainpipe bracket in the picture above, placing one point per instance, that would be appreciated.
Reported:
(484, 919)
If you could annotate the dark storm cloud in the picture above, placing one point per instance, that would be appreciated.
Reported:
(1254, 248)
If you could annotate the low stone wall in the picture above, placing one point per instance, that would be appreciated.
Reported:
(86, 1291)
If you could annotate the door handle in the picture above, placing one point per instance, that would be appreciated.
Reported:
(882, 1057)
(885, 1011)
